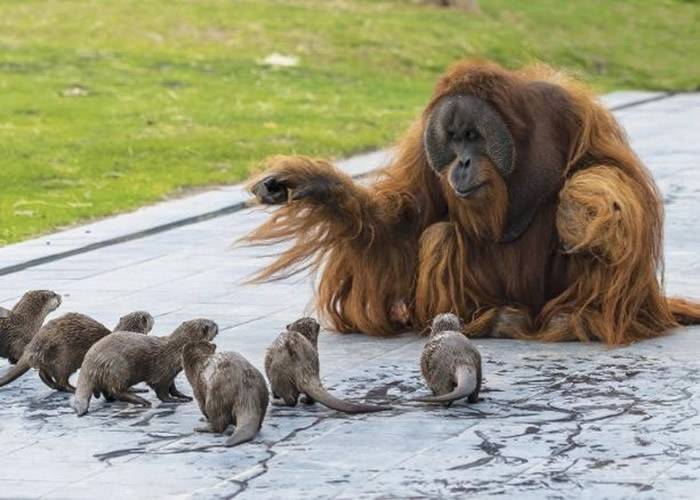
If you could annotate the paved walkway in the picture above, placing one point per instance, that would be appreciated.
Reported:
(555, 420)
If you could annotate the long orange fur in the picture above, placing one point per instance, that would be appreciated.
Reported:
(588, 267)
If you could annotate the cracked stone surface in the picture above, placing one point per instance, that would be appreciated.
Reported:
(554, 420)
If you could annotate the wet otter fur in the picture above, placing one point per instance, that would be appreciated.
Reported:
(450, 363)
(292, 366)
(228, 389)
(19, 325)
(123, 359)
(58, 349)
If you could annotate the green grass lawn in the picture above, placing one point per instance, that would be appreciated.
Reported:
(105, 106)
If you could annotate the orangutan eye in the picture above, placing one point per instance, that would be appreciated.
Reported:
(449, 135)
(472, 135)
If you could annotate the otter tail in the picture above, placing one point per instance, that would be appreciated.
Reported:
(320, 394)
(685, 311)
(16, 371)
(247, 427)
(466, 384)
(83, 393)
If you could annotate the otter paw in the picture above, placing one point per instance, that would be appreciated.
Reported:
(284, 402)
(307, 400)
(205, 429)
(399, 313)
(170, 399)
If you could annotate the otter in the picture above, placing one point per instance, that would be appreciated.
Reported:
(228, 389)
(292, 366)
(122, 359)
(58, 349)
(450, 363)
(19, 325)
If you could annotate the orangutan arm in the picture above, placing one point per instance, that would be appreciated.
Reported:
(321, 207)
(323, 193)
(365, 237)
(602, 214)
(610, 225)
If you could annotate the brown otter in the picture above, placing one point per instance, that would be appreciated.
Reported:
(58, 349)
(292, 366)
(123, 359)
(228, 389)
(450, 363)
(18, 326)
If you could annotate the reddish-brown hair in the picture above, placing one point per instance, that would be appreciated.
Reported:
(587, 267)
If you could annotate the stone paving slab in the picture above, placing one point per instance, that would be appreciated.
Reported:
(555, 420)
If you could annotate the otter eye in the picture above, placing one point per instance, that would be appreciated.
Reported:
(472, 135)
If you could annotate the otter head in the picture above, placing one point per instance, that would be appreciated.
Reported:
(197, 351)
(38, 302)
(52, 300)
(444, 323)
(138, 321)
(308, 327)
(195, 330)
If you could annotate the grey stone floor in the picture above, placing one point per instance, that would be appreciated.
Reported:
(566, 420)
